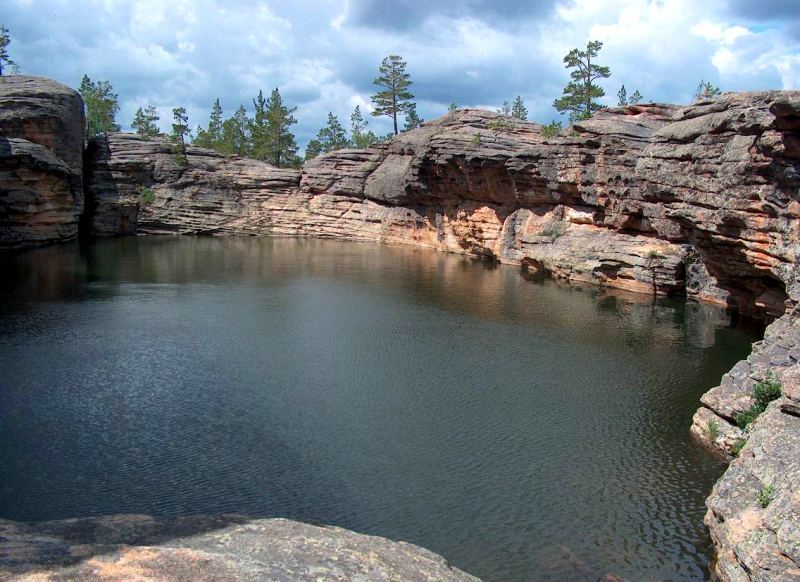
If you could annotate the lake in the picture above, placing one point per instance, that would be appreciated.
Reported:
(524, 429)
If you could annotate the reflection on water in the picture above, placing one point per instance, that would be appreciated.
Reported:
(525, 430)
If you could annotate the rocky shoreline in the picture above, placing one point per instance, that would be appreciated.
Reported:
(701, 201)
(227, 547)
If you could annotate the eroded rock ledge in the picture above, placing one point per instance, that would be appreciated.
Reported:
(754, 542)
(138, 547)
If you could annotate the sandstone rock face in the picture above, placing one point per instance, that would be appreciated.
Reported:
(699, 200)
(755, 542)
(137, 547)
(41, 161)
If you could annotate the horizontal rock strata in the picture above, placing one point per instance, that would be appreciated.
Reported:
(698, 200)
(138, 547)
(754, 542)
(41, 161)
(701, 200)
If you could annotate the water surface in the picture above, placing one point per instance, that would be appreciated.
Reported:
(525, 430)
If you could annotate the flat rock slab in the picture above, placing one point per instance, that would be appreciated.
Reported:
(230, 547)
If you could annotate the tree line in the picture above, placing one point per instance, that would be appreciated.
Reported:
(267, 135)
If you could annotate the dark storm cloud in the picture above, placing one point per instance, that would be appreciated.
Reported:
(766, 10)
(324, 54)
(405, 15)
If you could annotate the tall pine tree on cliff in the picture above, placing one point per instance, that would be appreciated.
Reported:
(580, 93)
(518, 109)
(5, 40)
(236, 134)
(359, 134)
(144, 122)
(211, 137)
(272, 139)
(180, 129)
(394, 98)
(101, 106)
(330, 138)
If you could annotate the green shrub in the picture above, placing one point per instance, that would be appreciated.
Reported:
(498, 125)
(743, 419)
(766, 495)
(476, 139)
(767, 390)
(554, 229)
(764, 392)
(146, 196)
(712, 427)
(552, 129)
(737, 445)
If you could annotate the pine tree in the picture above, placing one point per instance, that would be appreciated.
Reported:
(211, 137)
(278, 146)
(622, 97)
(330, 138)
(505, 108)
(333, 136)
(258, 127)
(413, 121)
(705, 90)
(101, 106)
(395, 98)
(313, 149)
(5, 40)
(144, 122)
(635, 98)
(359, 135)
(452, 107)
(180, 129)
(518, 109)
(236, 138)
(215, 124)
(581, 92)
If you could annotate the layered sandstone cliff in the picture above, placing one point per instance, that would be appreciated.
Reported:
(698, 200)
(41, 153)
(139, 547)
(701, 200)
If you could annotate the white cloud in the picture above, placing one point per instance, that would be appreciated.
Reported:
(189, 52)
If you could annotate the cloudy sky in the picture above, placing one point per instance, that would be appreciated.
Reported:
(324, 54)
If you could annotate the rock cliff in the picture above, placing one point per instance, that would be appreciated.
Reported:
(41, 153)
(699, 200)
(138, 547)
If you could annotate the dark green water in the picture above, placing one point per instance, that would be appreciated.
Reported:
(524, 430)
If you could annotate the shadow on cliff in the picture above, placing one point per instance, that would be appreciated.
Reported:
(29, 547)
(99, 182)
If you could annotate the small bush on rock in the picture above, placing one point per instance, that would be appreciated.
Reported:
(554, 229)
(737, 445)
(499, 125)
(767, 390)
(551, 129)
(744, 419)
(712, 427)
(766, 495)
(146, 196)
(764, 392)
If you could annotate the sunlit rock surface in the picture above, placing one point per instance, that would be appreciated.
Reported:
(139, 547)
